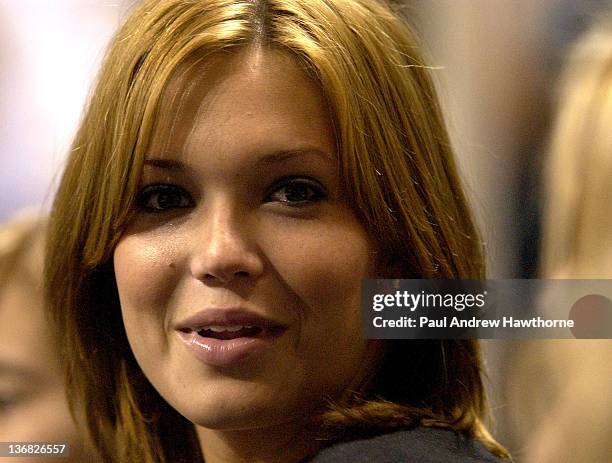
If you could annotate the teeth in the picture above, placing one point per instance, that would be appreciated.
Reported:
(221, 329)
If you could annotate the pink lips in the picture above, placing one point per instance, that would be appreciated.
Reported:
(213, 336)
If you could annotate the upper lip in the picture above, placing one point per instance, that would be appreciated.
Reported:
(226, 317)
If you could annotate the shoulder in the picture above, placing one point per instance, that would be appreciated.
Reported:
(418, 445)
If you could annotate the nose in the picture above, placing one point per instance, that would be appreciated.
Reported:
(225, 249)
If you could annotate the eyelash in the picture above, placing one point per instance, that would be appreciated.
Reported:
(149, 193)
(315, 193)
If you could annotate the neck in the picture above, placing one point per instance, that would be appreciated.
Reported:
(284, 443)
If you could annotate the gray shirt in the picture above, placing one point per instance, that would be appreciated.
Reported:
(419, 445)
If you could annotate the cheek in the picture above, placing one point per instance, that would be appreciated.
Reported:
(333, 266)
(325, 272)
(145, 269)
(146, 277)
(325, 267)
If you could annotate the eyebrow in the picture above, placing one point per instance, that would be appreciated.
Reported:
(166, 164)
(289, 155)
(276, 157)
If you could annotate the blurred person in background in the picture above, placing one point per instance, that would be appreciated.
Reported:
(565, 412)
(33, 406)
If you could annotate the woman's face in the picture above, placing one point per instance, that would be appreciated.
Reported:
(239, 278)
(33, 405)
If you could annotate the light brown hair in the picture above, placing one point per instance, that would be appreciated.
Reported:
(398, 173)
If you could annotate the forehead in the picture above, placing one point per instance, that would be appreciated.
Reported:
(252, 96)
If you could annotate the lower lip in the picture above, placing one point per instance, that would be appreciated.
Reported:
(226, 352)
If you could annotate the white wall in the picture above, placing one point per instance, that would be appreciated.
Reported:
(49, 54)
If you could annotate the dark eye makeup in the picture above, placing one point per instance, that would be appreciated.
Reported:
(291, 191)
(296, 191)
(163, 197)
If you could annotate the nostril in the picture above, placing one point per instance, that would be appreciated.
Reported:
(222, 269)
(226, 277)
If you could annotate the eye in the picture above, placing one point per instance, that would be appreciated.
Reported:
(297, 192)
(8, 402)
(163, 197)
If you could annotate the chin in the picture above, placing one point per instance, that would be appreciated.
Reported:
(237, 417)
(240, 410)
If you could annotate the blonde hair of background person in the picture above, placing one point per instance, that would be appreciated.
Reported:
(577, 228)
(561, 391)
(33, 406)
(397, 173)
